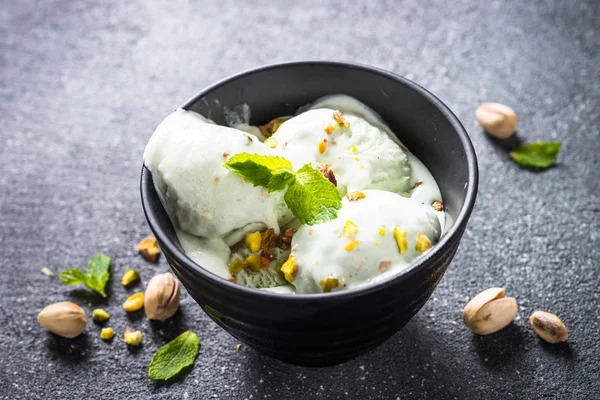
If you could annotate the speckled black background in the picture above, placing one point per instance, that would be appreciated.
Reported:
(83, 84)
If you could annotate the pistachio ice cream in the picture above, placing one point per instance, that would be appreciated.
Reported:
(185, 156)
(362, 245)
(247, 233)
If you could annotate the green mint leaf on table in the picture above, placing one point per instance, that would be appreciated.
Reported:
(257, 169)
(72, 276)
(173, 357)
(95, 277)
(312, 198)
(536, 155)
(97, 273)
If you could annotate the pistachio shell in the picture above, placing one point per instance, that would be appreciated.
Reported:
(161, 300)
(65, 319)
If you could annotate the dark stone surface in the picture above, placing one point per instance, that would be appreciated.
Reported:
(82, 86)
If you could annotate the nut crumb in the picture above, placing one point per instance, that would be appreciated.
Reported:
(327, 172)
(268, 240)
(340, 119)
(286, 238)
(353, 196)
(250, 140)
(47, 272)
(232, 278)
(417, 184)
(384, 266)
(437, 205)
(225, 154)
(237, 346)
(148, 248)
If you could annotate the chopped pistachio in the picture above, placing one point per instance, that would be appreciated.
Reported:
(252, 240)
(351, 245)
(340, 119)
(286, 237)
(270, 142)
(133, 338)
(289, 268)
(268, 240)
(330, 128)
(350, 228)
(382, 231)
(253, 262)
(134, 302)
(107, 333)
(130, 275)
(400, 236)
(353, 196)
(322, 147)
(423, 243)
(236, 266)
(327, 172)
(148, 248)
(329, 284)
(100, 315)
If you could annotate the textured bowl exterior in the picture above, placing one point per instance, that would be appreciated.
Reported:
(326, 329)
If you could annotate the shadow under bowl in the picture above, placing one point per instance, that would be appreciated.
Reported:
(327, 329)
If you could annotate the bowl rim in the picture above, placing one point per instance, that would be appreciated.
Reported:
(440, 248)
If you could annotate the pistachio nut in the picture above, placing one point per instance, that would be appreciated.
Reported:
(162, 297)
(489, 311)
(497, 119)
(548, 327)
(65, 319)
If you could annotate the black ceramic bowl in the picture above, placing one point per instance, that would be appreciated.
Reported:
(325, 329)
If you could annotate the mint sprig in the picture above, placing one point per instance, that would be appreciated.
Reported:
(174, 356)
(95, 277)
(310, 196)
(536, 154)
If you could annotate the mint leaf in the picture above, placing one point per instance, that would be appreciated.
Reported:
(97, 273)
(257, 169)
(536, 155)
(280, 179)
(95, 277)
(173, 357)
(312, 198)
(72, 276)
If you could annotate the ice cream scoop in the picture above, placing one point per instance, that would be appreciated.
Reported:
(376, 235)
(186, 155)
(361, 155)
